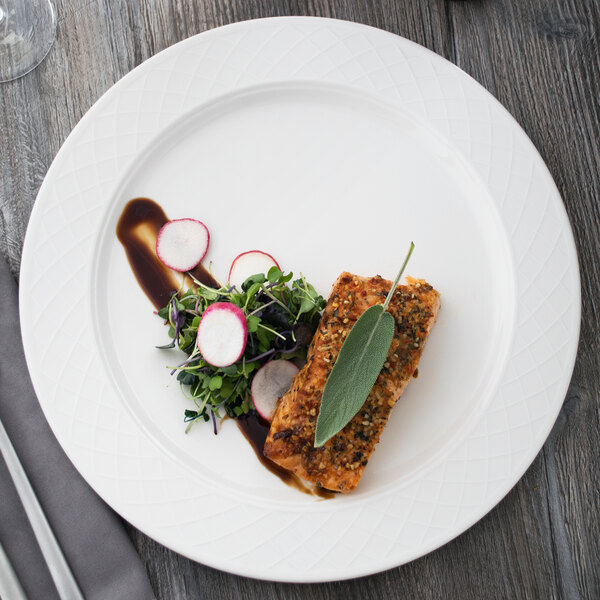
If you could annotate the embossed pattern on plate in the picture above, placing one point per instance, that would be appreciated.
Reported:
(157, 494)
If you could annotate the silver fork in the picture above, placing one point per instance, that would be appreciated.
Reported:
(57, 564)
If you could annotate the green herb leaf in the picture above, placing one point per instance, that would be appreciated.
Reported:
(252, 290)
(258, 278)
(226, 389)
(209, 294)
(355, 371)
(264, 337)
(274, 274)
(252, 322)
(357, 367)
(215, 382)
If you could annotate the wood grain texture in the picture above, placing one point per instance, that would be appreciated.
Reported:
(541, 59)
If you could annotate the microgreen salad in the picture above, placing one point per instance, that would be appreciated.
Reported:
(280, 315)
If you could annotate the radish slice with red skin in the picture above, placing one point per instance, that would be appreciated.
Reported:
(222, 334)
(182, 243)
(271, 382)
(250, 263)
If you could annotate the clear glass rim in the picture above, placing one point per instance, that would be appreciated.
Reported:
(42, 43)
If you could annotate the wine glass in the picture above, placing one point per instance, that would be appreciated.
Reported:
(27, 31)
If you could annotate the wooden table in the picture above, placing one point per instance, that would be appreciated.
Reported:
(541, 59)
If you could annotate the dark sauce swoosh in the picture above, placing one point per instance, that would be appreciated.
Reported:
(255, 430)
(137, 230)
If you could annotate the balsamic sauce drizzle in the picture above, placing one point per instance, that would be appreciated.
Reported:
(137, 230)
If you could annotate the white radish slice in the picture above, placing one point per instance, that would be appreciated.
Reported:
(271, 382)
(222, 334)
(250, 263)
(181, 244)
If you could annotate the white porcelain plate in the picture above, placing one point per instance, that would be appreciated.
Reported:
(330, 145)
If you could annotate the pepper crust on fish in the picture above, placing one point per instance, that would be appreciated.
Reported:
(340, 463)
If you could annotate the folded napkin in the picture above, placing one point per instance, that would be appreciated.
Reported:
(92, 537)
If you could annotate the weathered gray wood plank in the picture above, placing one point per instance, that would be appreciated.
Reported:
(541, 59)
(542, 62)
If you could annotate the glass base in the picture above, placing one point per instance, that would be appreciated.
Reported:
(27, 32)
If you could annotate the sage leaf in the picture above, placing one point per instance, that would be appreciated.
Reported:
(357, 366)
(355, 371)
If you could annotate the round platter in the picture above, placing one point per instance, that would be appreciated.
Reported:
(330, 145)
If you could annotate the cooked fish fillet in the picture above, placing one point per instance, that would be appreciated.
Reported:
(339, 464)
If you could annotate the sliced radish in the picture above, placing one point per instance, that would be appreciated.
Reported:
(181, 244)
(271, 382)
(250, 263)
(222, 334)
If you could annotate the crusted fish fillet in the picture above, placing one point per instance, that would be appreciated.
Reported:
(339, 464)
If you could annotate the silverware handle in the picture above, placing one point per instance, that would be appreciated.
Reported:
(10, 586)
(57, 564)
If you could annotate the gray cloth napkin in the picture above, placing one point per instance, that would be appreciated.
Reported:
(92, 537)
